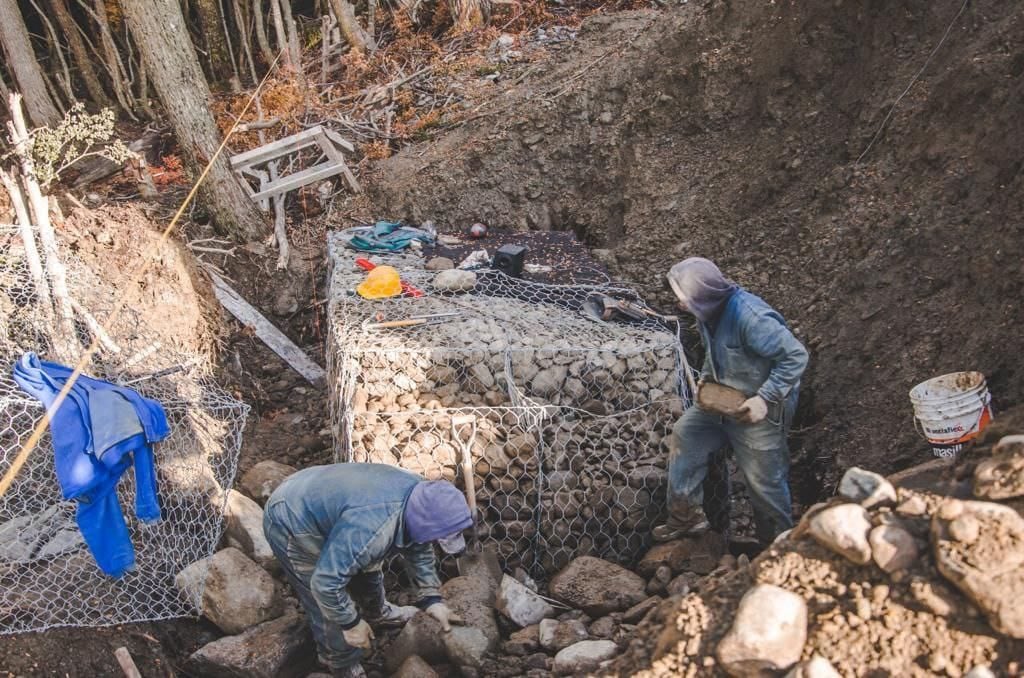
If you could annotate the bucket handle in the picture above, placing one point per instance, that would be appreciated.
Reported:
(981, 414)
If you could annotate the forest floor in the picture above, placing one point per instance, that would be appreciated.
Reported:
(705, 129)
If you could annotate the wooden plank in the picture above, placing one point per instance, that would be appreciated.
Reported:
(351, 178)
(336, 155)
(124, 658)
(289, 144)
(339, 140)
(298, 180)
(270, 335)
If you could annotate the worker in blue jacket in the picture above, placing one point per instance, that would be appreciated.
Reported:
(331, 527)
(98, 432)
(748, 347)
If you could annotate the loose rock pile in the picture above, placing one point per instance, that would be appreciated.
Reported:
(570, 416)
(881, 579)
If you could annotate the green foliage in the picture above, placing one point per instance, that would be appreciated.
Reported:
(79, 135)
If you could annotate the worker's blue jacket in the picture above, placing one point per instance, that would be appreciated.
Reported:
(97, 432)
(338, 520)
(753, 351)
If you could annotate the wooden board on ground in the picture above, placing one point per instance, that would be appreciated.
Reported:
(268, 334)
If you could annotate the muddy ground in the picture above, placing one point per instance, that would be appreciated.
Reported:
(731, 131)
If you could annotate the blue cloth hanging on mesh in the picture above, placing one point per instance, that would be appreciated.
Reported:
(386, 237)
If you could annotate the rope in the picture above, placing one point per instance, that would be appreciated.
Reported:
(912, 82)
(122, 301)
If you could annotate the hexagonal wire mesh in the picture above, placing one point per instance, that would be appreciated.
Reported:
(47, 576)
(566, 419)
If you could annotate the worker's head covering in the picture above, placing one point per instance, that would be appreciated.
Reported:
(700, 286)
(437, 511)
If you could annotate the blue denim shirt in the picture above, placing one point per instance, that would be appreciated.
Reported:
(753, 351)
(354, 515)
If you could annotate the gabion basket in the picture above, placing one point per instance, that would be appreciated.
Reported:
(566, 419)
(48, 578)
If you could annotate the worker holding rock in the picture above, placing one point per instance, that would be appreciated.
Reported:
(748, 348)
(331, 527)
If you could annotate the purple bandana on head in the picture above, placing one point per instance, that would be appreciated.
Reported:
(700, 286)
(435, 509)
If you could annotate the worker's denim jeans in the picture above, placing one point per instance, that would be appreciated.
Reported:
(298, 555)
(761, 453)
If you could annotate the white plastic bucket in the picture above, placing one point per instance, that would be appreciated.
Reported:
(951, 410)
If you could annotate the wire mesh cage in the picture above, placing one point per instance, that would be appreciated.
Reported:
(565, 419)
(48, 577)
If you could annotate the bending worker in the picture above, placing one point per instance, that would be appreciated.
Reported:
(331, 528)
(749, 348)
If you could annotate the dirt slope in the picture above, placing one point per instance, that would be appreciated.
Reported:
(732, 130)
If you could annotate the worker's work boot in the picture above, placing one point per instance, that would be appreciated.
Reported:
(354, 671)
(393, 616)
(683, 521)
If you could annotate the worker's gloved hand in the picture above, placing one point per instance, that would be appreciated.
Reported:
(395, 615)
(753, 410)
(443, 614)
(360, 635)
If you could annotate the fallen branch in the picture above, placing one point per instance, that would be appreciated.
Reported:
(95, 327)
(257, 125)
(98, 168)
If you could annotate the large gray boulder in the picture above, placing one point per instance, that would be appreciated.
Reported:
(557, 635)
(584, 657)
(243, 523)
(979, 547)
(415, 667)
(422, 636)
(768, 633)
(454, 280)
(238, 594)
(467, 646)
(866, 488)
(844, 529)
(472, 598)
(1002, 475)
(521, 605)
(892, 547)
(597, 587)
(281, 648)
(815, 667)
(261, 480)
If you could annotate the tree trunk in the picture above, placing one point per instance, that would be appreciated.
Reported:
(261, 33)
(65, 342)
(118, 78)
(282, 35)
(163, 40)
(293, 35)
(213, 35)
(358, 39)
(79, 52)
(5, 92)
(245, 38)
(470, 14)
(21, 62)
(63, 76)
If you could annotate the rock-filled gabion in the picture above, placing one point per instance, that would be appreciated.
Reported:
(567, 419)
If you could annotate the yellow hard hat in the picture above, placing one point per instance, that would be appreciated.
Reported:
(380, 283)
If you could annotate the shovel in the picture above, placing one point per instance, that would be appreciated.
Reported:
(476, 560)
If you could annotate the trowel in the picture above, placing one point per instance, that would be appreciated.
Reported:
(477, 561)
